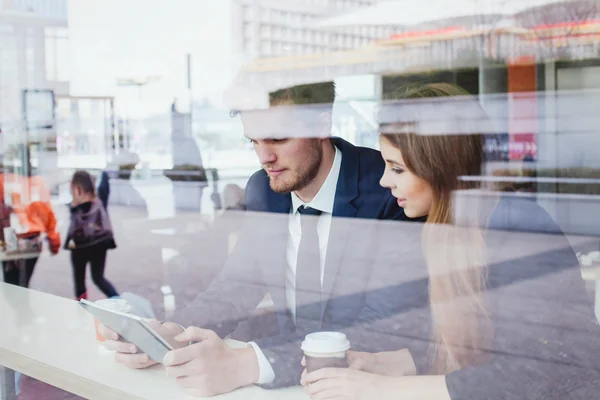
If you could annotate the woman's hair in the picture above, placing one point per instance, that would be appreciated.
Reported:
(454, 251)
(84, 181)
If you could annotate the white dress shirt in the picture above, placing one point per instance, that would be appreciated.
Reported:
(323, 202)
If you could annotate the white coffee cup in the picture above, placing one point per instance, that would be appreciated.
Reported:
(325, 350)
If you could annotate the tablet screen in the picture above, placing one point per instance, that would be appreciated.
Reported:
(133, 329)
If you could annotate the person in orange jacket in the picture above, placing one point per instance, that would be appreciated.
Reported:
(37, 218)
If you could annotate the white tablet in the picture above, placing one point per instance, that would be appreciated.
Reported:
(131, 328)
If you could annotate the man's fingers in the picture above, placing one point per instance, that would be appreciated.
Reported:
(186, 381)
(173, 329)
(182, 356)
(303, 362)
(154, 324)
(120, 347)
(134, 361)
(195, 334)
(194, 368)
(107, 332)
(178, 371)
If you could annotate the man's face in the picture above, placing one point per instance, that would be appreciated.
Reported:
(290, 163)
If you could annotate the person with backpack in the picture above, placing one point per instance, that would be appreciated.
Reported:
(89, 237)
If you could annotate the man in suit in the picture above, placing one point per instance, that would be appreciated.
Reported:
(303, 243)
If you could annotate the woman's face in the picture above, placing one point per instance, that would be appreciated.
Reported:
(413, 194)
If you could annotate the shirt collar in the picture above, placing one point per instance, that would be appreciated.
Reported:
(325, 197)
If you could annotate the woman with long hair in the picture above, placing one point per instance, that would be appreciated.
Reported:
(89, 236)
(510, 318)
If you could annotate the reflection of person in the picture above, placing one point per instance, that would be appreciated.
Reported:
(233, 197)
(518, 329)
(37, 218)
(304, 262)
(88, 245)
(104, 189)
(121, 169)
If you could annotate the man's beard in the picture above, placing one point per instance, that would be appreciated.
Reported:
(299, 179)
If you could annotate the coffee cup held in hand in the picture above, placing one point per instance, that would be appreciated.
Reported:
(325, 350)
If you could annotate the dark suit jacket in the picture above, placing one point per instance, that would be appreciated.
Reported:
(258, 263)
(545, 341)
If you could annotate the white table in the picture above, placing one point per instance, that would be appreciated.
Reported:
(4, 256)
(52, 339)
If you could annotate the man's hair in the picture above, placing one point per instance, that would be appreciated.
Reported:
(312, 93)
(84, 181)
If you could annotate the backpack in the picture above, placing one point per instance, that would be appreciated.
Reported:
(90, 228)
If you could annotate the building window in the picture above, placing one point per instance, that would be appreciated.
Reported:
(248, 45)
(261, 13)
(266, 48)
(57, 53)
(248, 12)
(248, 31)
(265, 30)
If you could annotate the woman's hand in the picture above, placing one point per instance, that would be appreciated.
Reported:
(362, 361)
(351, 384)
(391, 363)
(347, 384)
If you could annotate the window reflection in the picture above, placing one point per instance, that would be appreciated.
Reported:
(442, 156)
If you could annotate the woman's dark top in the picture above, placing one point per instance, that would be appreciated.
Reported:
(545, 341)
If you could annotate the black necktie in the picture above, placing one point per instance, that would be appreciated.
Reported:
(308, 273)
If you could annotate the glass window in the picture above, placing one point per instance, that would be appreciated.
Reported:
(248, 29)
(195, 244)
(266, 47)
(248, 12)
(266, 30)
(57, 54)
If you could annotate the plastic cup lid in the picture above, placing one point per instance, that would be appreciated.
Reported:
(325, 342)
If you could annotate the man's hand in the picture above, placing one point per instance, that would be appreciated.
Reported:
(128, 354)
(210, 367)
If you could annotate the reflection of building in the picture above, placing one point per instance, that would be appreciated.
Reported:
(86, 125)
(288, 27)
(517, 50)
(33, 52)
(566, 31)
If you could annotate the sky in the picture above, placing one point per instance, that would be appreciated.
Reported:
(111, 39)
